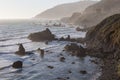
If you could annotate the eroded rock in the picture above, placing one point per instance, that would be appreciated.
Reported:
(21, 50)
(75, 49)
(50, 67)
(62, 59)
(83, 72)
(45, 35)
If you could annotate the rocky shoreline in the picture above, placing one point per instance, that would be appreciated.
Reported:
(102, 41)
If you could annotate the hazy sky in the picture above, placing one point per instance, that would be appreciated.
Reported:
(26, 8)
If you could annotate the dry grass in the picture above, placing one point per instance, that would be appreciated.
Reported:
(106, 33)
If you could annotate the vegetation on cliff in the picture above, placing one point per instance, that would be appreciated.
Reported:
(105, 35)
(105, 39)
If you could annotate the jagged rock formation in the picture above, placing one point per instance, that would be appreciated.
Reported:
(45, 35)
(75, 49)
(21, 50)
(65, 10)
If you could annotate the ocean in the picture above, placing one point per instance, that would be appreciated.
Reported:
(13, 32)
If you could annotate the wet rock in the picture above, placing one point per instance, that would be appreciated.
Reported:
(93, 61)
(81, 29)
(67, 77)
(62, 39)
(63, 50)
(62, 59)
(70, 71)
(17, 64)
(68, 38)
(47, 51)
(41, 51)
(61, 54)
(50, 67)
(59, 78)
(83, 72)
(72, 47)
(29, 53)
(42, 36)
(73, 62)
(78, 29)
(33, 59)
(21, 50)
(75, 49)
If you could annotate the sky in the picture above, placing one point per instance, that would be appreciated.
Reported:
(16, 9)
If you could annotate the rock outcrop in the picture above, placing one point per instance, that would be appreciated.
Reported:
(75, 49)
(21, 50)
(45, 35)
(83, 72)
(106, 35)
(62, 59)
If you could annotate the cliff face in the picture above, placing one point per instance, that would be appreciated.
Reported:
(97, 12)
(106, 35)
(71, 19)
(105, 39)
(65, 10)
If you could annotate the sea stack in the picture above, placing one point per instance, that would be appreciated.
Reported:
(45, 35)
(21, 50)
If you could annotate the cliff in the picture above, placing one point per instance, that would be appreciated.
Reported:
(97, 12)
(105, 35)
(65, 10)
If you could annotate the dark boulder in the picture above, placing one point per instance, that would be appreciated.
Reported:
(59, 78)
(78, 29)
(83, 72)
(17, 64)
(69, 71)
(62, 39)
(81, 29)
(42, 52)
(21, 50)
(62, 59)
(68, 38)
(50, 67)
(75, 49)
(73, 62)
(72, 47)
(45, 35)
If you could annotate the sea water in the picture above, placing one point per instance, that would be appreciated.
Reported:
(13, 32)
